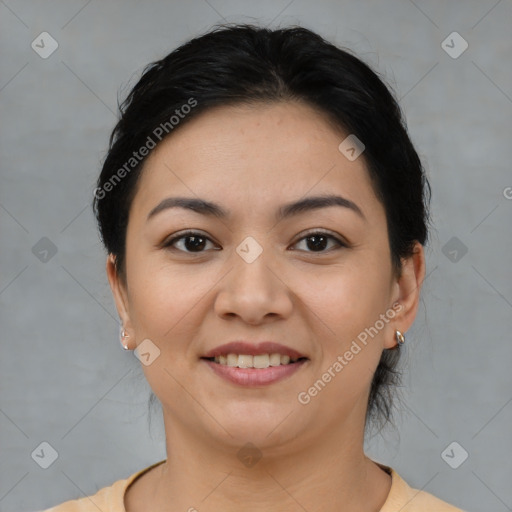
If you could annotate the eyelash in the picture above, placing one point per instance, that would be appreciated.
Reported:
(190, 233)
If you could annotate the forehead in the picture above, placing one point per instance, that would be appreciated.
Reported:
(256, 155)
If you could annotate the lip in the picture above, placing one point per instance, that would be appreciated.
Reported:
(251, 349)
(253, 377)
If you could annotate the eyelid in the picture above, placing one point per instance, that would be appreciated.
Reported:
(340, 241)
(167, 243)
(321, 231)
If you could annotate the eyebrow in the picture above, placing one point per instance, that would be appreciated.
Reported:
(208, 208)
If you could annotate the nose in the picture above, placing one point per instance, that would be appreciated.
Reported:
(254, 291)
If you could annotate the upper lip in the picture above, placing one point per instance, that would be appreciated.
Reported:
(253, 349)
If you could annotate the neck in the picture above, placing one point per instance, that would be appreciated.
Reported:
(323, 473)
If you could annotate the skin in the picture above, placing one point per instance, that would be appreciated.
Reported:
(251, 160)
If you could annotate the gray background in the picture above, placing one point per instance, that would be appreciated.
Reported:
(64, 377)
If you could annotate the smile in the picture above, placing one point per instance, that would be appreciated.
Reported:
(254, 364)
(258, 361)
(250, 375)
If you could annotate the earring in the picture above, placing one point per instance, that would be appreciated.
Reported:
(124, 336)
(400, 338)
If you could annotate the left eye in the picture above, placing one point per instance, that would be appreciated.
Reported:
(319, 240)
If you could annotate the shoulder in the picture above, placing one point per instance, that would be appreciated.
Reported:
(407, 499)
(109, 498)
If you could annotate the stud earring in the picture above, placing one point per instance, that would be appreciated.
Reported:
(400, 338)
(124, 336)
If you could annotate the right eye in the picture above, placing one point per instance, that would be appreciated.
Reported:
(191, 242)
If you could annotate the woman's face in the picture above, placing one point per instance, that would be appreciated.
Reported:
(258, 274)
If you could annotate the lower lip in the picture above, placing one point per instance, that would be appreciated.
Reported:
(254, 376)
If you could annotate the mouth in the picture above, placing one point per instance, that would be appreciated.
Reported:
(246, 364)
(241, 354)
(260, 361)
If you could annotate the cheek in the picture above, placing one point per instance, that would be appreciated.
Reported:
(347, 297)
(163, 301)
(347, 302)
(166, 308)
(167, 304)
(344, 308)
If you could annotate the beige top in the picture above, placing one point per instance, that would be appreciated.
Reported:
(401, 497)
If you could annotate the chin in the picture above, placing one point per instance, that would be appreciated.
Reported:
(264, 424)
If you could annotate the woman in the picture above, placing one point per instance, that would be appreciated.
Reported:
(264, 213)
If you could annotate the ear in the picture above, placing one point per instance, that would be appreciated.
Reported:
(407, 292)
(120, 294)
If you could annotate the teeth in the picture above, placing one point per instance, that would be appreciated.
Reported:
(275, 359)
(232, 360)
(259, 361)
(245, 361)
